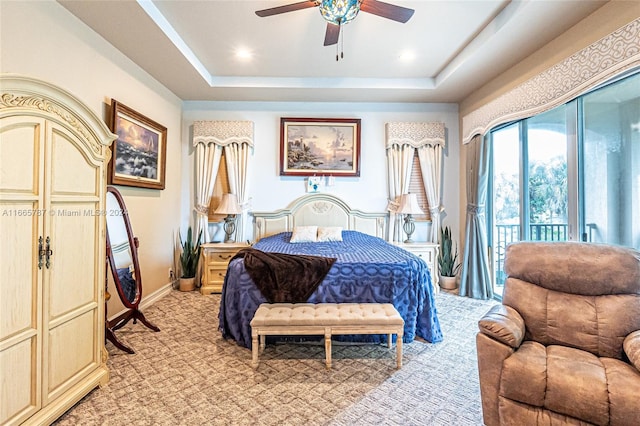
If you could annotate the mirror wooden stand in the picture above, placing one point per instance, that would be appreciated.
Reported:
(122, 257)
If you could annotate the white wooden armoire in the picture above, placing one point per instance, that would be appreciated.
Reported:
(53, 154)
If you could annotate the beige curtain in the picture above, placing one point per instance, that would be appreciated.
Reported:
(237, 156)
(475, 280)
(207, 164)
(402, 138)
(209, 139)
(430, 156)
(399, 163)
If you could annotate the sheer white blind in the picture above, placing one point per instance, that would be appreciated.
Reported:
(416, 186)
(221, 187)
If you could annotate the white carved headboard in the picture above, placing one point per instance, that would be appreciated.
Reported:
(318, 209)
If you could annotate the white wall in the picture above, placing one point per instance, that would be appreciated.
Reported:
(43, 40)
(270, 191)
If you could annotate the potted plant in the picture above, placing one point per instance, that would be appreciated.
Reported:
(448, 259)
(189, 261)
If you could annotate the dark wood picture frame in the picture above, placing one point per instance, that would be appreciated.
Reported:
(319, 146)
(139, 154)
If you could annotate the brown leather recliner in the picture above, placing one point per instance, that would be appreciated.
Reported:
(564, 346)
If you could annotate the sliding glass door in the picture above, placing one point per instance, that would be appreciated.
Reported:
(611, 166)
(530, 188)
(506, 191)
(546, 164)
(571, 173)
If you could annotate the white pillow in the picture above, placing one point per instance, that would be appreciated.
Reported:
(304, 234)
(329, 233)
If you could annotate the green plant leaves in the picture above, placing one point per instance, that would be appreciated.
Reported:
(190, 254)
(448, 255)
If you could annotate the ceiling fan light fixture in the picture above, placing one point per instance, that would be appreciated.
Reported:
(339, 12)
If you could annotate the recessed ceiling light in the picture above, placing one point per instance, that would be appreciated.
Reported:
(244, 54)
(407, 56)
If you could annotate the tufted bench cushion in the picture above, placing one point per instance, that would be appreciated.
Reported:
(326, 319)
(326, 314)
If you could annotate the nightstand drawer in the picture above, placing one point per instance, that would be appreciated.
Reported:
(426, 255)
(215, 275)
(220, 257)
(216, 257)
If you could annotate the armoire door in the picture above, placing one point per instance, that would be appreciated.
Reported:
(21, 224)
(72, 226)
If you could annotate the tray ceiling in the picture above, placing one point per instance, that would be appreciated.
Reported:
(221, 50)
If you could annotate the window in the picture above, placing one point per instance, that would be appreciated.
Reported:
(506, 189)
(610, 167)
(416, 186)
(571, 173)
(220, 187)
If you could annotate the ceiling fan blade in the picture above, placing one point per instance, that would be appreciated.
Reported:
(286, 8)
(386, 10)
(332, 34)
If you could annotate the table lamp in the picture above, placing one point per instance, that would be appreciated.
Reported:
(229, 206)
(409, 206)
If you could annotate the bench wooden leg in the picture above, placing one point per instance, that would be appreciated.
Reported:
(327, 347)
(399, 349)
(389, 340)
(254, 348)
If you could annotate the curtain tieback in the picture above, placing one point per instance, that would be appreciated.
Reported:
(435, 211)
(475, 208)
(245, 205)
(201, 209)
(392, 206)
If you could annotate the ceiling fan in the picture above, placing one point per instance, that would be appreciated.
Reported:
(341, 12)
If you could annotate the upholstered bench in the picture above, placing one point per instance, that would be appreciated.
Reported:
(326, 319)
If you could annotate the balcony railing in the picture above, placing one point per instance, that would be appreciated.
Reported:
(507, 234)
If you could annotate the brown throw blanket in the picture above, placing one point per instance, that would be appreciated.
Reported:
(285, 278)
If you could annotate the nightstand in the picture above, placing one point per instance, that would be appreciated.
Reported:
(215, 258)
(429, 253)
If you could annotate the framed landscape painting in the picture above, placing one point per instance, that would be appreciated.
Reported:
(138, 155)
(319, 146)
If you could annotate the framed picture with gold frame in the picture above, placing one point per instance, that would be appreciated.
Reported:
(319, 146)
(139, 153)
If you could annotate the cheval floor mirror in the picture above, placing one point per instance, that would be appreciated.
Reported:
(122, 256)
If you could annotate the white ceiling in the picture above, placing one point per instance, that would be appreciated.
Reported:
(458, 46)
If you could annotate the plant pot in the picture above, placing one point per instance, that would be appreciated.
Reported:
(448, 283)
(187, 284)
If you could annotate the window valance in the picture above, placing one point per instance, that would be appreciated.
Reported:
(222, 133)
(593, 65)
(415, 134)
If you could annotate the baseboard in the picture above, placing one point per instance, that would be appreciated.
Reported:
(150, 299)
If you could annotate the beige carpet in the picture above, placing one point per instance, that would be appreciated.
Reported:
(188, 375)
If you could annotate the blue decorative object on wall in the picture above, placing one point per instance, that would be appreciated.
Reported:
(315, 183)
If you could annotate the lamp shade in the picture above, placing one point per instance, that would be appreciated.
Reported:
(339, 12)
(229, 205)
(409, 204)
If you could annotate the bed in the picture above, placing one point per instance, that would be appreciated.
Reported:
(367, 269)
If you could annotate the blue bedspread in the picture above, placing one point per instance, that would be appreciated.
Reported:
(368, 269)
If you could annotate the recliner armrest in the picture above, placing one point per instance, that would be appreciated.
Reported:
(504, 324)
(631, 347)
